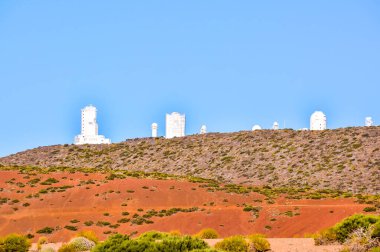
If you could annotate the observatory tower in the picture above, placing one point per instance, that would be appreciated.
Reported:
(318, 121)
(154, 129)
(203, 130)
(368, 121)
(89, 130)
(276, 126)
(175, 125)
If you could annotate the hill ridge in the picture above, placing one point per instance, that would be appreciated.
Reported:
(344, 159)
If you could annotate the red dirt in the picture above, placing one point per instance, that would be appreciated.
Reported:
(226, 214)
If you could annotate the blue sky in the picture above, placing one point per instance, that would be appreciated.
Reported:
(226, 64)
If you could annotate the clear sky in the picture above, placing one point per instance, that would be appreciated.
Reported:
(226, 64)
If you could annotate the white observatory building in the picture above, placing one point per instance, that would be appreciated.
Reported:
(368, 121)
(175, 125)
(89, 130)
(256, 127)
(318, 121)
(203, 130)
(275, 126)
(154, 129)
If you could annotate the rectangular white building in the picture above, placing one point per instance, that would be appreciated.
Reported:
(89, 129)
(175, 125)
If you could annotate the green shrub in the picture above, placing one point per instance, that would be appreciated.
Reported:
(376, 230)
(207, 233)
(66, 248)
(377, 249)
(116, 243)
(233, 244)
(369, 209)
(153, 235)
(45, 230)
(259, 243)
(72, 228)
(152, 242)
(185, 243)
(344, 228)
(14, 243)
(41, 240)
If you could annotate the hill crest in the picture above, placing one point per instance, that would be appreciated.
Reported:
(344, 159)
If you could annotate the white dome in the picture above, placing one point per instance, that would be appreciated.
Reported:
(154, 125)
(256, 127)
(318, 114)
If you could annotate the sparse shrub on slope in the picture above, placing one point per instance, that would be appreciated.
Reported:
(233, 244)
(207, 233)
(14, 243)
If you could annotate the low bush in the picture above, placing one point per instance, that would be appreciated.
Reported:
(14, 243)
(344, 230)
(207, 233)
(81, 244)
(47, 249)
(41, 240)
(369, 209)
(258, 243)
(153, 242)
(66, 248)
(45, 230)
(233, 244)
(89, 234)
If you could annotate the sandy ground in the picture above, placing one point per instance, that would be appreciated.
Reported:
(277, 245)
(292, 245)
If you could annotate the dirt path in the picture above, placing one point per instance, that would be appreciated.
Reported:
(292, 245)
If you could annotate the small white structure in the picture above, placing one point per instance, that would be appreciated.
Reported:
(368, 121)
(89, 130)
(303, 129)
(318, 121)
(276, 126)
(203, 130)
(256, 127)
(175, 125)
(154, 129)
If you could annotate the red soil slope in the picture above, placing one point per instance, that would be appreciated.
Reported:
(93, 198)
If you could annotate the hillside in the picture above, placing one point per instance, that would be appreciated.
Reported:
(345, 159)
